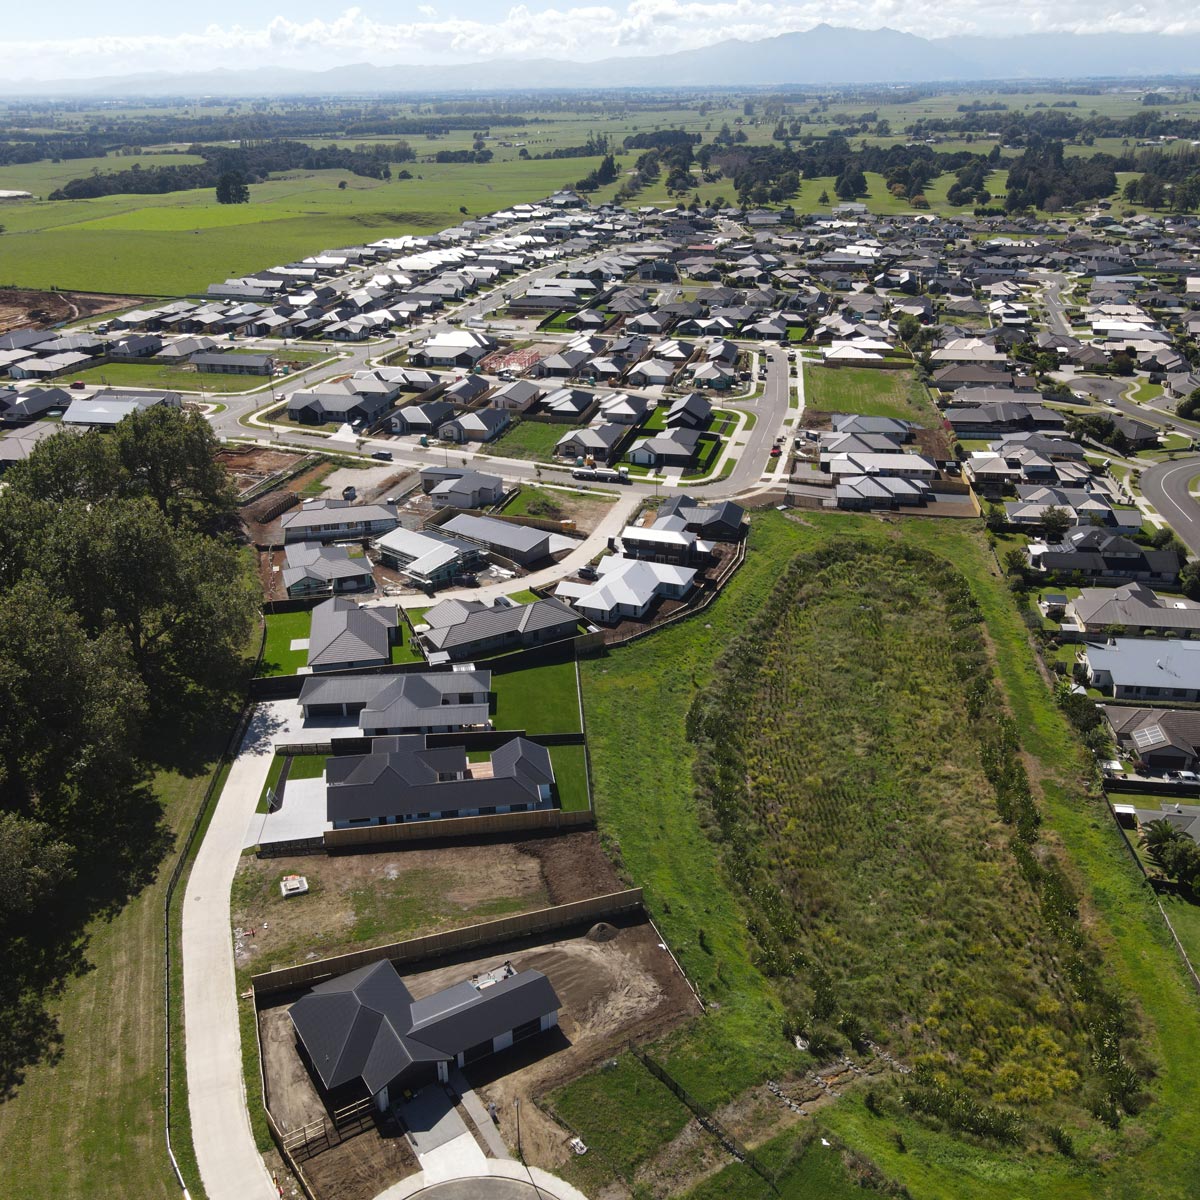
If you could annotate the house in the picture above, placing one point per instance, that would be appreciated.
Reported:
(626, 588)
(1162, 739)
(405, 779)
(995, 420)
(364, 1036)
(337, 520)
(233, 364)
(871, 492)
(1145, 668)
(482, 426)
(1135, 609)
(1137, 434)
(108, 408)
(465, 391)
(456, 487)
(875, 466)
(572, 403)
(429, 559)
(345, 636)
(653, 372)
(416, 702)
(692, 411)
(600, 442)
(622, 408)
(518, 543)
(421, 418)
(676, 448)
(19, 408)
(518, 396)
(313, 569)
(1102, 556)
(463, 629)
(722, 521)
(340, 402)
(666, 542)
(454, 348)
(1081, 505)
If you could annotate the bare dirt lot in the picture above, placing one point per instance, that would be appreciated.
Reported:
(249, 466)
(20, 309)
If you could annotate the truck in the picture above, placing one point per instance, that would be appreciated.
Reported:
(611, 474)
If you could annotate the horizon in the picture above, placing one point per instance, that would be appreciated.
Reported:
(254, 35)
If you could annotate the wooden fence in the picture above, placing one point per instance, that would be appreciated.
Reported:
(543, 920)
(538, 820)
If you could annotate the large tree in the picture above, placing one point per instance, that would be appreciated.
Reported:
(232, 189)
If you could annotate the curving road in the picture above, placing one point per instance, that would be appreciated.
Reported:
(1165, 485)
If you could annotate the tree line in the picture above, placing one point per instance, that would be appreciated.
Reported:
(125, 610)
(253, 161)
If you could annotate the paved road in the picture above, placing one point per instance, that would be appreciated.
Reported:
(1165, 485)
(1052, 295)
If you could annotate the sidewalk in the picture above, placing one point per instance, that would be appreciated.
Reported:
(230, 1165)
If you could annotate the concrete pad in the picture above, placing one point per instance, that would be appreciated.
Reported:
(431, 1120)
(298, 644)
(459, 1158)
(302, 815)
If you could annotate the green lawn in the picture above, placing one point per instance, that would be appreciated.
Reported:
(644, 797)
(538, 700)
(282, 629)
(157, 375)
(866, 391)
(402, 652)
(707, 452)
(92, 1125)
(527, 439)
(570, 776)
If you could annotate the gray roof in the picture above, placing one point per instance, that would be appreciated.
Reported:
(342, 632)
(481, 624)
(314, 560)
(365, 1025)
(1135, 605)
(403, 777)
(490, 532)
(1148, 662)
(333, 513)
(412, 701)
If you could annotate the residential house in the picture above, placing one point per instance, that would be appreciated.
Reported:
(626, 589)
(721, 521)
(457, 487)
(692, 411)
(314, 569)
(601, 442)
(467, 629)
(415, 702)
(518, 396)
(454, 348)
(233, 364)
(337, 520)
(365, 1037)
(676, 448)
(421, 419)
(345, 636)
(1161, 739)
(1101, 556)
(405, 779)
(481, 426)
(1135, 609)
(1145, 668)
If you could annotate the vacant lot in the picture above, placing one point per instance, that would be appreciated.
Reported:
(586, 509)
(368, 899)
(866, 391)
(159, 375)
(527, 439)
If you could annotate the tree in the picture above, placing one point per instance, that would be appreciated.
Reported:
(851, 183)
(232, 188)
(1189, 580)
(823, 198)
(1055, 523)
(1189, 406)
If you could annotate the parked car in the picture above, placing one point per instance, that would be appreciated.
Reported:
(384, 455)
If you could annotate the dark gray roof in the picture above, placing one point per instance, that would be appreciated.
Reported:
(365, 1025)
(482, 624)
(406, 702)
(501, 534)
(342, 632)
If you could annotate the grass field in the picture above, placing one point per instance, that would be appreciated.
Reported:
(527, 439)
(538, 700)
(863, 390)
(158, 375)
(93, 1124)
(644, 796)
(282, 629)
(570, 776)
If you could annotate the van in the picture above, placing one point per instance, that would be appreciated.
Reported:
(382, 455)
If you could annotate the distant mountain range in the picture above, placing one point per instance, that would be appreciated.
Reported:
(823, 55)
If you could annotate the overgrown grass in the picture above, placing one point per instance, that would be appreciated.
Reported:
(642, 769)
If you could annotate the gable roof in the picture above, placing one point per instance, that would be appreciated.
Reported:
(343, 632)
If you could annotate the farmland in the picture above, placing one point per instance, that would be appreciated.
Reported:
(645, 794)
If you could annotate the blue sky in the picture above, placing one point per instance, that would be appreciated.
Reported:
(73, 39)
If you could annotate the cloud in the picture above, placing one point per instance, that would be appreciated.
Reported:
(584, 32)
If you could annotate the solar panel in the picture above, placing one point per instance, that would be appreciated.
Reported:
(1148, 736)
